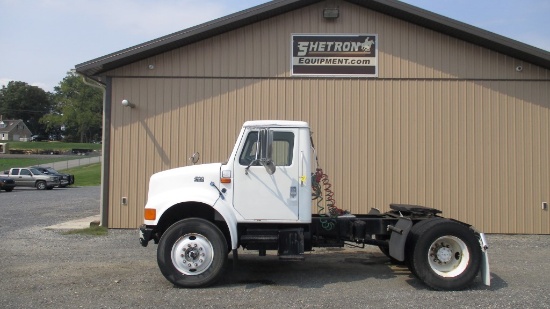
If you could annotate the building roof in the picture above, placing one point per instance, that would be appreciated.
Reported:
(94, 68)
(7, 126)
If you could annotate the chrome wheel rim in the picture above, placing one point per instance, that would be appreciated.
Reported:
(192, 254)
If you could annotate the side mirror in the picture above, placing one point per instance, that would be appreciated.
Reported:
(266, 141)
(266, 146)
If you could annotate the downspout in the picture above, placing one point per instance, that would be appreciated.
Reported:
(105, 151)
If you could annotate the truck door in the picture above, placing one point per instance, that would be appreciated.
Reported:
(25, 177)
(260, 196)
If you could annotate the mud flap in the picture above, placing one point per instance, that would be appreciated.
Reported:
(485, 269)
(398, 238)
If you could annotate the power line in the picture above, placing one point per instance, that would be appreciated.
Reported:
(25, 110)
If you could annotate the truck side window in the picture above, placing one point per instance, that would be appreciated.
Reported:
(25, 172)
(283, 149)
(15, 171)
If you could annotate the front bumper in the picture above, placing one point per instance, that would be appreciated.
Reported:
(145, 235)
(52, 183)
(7, 186)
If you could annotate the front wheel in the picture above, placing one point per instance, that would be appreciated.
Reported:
(444, 254)
(192, 253)
(41, 185)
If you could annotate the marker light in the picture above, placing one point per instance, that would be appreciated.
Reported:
(150, 214)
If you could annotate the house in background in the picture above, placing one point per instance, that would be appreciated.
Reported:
(14, 130)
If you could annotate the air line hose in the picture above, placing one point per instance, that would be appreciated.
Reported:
(320, 183)
(318, 178)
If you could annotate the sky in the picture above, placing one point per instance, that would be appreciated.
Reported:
(41, 40)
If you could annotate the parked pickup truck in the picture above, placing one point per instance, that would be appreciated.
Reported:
(65, 179)
(31, 177)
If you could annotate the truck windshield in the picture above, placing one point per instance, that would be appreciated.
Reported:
(35, 171)
(51, 170)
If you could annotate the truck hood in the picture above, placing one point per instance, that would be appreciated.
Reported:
(174, 180)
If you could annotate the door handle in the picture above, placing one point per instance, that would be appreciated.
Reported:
(293, 192)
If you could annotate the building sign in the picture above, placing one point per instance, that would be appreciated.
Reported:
(354, 55)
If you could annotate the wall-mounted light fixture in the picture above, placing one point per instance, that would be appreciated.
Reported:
(127, 103)
(331, 13)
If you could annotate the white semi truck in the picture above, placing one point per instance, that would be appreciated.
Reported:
(261, 199)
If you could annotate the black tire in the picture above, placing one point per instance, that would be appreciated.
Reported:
(9, 190)
(444, 254)
(41, 185)
(192, 253)
(411, 242)
(50, 188)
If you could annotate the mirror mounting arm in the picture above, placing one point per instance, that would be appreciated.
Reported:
(248, 167)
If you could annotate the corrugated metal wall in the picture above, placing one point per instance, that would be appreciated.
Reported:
(447, 124)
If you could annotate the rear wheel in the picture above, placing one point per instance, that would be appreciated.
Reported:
(192, 253)
(416, 230)
(444, 254)
(9, 190)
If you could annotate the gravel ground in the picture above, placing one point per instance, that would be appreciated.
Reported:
(41, 268)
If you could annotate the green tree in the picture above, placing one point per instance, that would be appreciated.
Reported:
(19, 100)
(77, 110)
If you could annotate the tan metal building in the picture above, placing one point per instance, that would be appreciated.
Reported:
(455, 117)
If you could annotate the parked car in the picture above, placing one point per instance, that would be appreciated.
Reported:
(39, 138)
(64, 179)
(31, 177)
(6, 184)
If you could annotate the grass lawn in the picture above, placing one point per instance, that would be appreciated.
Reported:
(7, 163)
(61, 146)
(89, 231)
(37, 147)
(86, 175)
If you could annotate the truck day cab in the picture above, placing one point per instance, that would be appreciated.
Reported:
(261, 199)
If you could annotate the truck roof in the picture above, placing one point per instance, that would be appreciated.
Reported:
(276, 123)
